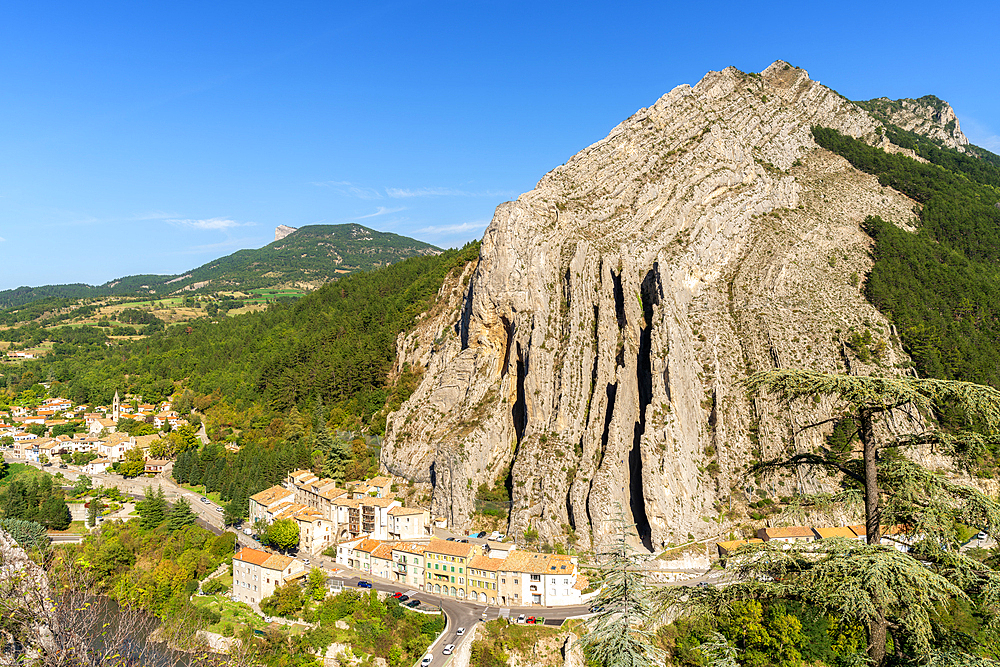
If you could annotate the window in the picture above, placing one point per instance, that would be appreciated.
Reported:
(536, 577)
(460, 569)
(453, 580)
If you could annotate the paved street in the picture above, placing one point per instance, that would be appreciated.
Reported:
(461, 614)
(210, 513)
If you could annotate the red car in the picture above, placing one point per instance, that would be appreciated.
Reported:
(397, 594)
(530, 619)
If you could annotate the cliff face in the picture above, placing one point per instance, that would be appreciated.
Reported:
(928, 115)
(616, 307)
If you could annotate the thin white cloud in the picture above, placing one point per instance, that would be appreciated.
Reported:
(211, 223)
(446, 230)
(381, 210)
(403, 193)
(156, 215)
(2, 239)
(349, 189)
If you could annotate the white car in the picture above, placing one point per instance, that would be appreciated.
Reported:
(520, 619)
(428, 659)
(448, 649)
(459, 632)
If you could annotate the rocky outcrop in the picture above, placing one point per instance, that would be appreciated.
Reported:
(27, 633)
(928, 115)
(600, 344)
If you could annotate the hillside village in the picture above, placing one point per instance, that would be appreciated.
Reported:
(368, 529)
(86, 436)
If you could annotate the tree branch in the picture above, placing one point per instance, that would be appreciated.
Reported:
(808, 459)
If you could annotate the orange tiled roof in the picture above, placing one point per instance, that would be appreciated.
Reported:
(485, 563)
(368, 545)
(409, 547)
(789, 531)
(268, 496)
(402, 511)
(449, 548)
(835, 531)
(383, 551)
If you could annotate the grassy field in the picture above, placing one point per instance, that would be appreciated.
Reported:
(22, 470)
(75, 528)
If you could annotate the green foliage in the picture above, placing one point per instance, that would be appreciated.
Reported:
(31, 496)
(180, 515)
(156, 569)
(135, 428)
(29, 535)
(286, 601)
(152, 509)
(133, 464)
(214, 587)
(282, 534)
(94, 508)
(618, 635)
(316, 584)
(940, 286)
(337, 343)
(890, 593)
(380, 628)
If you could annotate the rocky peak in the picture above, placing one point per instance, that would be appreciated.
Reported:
(928, 115)
(601, 341)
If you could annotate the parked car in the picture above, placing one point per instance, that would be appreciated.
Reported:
(450, 539)
(520, 619)
(530, 619)
(448, 649)
(428, 659)
(413, 604)
(459, 632)
(982, 536)
(364, 584)
(219, 509)
(204, 499)
(305, 561)
(396, 595)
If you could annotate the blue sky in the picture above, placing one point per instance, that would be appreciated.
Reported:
(144, 139)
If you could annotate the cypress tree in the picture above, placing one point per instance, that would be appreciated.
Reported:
(180, 515)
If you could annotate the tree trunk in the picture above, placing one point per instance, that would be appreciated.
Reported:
(878, 627)
(873, 508)
(877, 631)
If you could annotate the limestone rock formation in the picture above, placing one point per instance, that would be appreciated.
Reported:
(599, 347)
(281, 231)
(928, 115)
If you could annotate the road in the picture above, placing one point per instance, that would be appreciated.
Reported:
(210, 513)
(463, 614)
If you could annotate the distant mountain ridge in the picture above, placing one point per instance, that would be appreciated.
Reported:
(309, 256)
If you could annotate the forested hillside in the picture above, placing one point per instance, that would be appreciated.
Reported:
(941, 285)
(337, 344)
(313, 254)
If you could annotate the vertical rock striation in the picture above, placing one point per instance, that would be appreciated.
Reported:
(600, 343)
